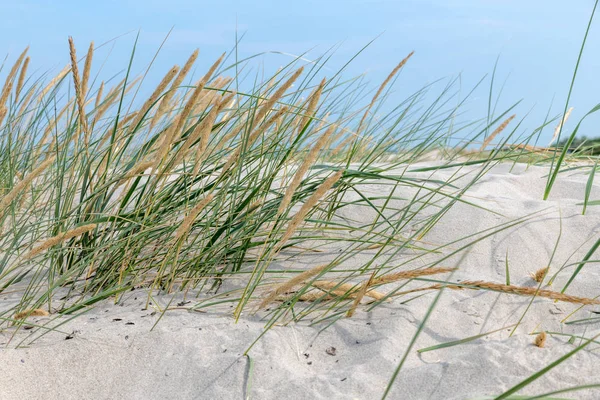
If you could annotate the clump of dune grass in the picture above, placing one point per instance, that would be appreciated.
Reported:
(224, 188)
(217, 179)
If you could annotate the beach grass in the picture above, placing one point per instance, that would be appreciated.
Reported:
(219, 181)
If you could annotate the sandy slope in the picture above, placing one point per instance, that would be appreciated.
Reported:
(113, 354)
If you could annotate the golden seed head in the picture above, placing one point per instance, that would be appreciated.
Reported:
(540, 274)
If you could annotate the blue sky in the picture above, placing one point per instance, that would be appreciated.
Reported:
(537, 41)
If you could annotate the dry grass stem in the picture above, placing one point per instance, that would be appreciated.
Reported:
(268, 104)
(201, 133)
(415, 273)
(251, 138)
(560, 125)
(53, 241)
(346, 289)
(21, 80)
(383, 85)
(166, 100)
(307, 206)
(517, 290)
(308, 162)
(187, 222)
(156, 94)
(361, 293)
(312, 105)
(498, 130)
(3, 111)
(54, 81)
(196, 95)
(34, 312)
(286, 286)
(99, 96)
(19, 187)
(87, 67)
(10, 78)
(79, 95)
(171, 133)
(26, 101)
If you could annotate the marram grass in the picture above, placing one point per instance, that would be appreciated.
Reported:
(218, 179)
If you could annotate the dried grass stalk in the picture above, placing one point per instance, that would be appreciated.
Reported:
(111, 98)
(518, 290)
(99, 95)
(186, 224)
(170, 134)
(342, 145)
(78, 91)
(310, 296)
(19, 187)
(498, 130)
(251, 138)
(312, 105)
(54, 81)
(268, 105)
(155, 95)
(361, 293)
(136, 170)
(31, 312)
(26, 101)
(87, 67)
(308, 162)
(53, 241)
(201, 132)
(10, 78)
(196, 95)
(51, 126)
(3, 111)
(306, 207)
(209, 95)
(415, 273)
(383, 85)
(21, 80)
(560, 125)
(166, 100)
(346, 289)
(290, 284)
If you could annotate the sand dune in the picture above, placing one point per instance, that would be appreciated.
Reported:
(112, 352)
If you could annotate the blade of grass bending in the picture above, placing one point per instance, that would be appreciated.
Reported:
(588, 187)
(544, 396)
(507, 269)
(541, 372)
(518, 397)
(461, 341)
(590, 203)
(555, 169)
(411, 344)
(249, 377)
(94, 299)
(584, 320)
(581, 264)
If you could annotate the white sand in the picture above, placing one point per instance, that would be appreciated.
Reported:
(113, 354)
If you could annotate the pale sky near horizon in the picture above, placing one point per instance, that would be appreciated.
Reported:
(537, 42)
